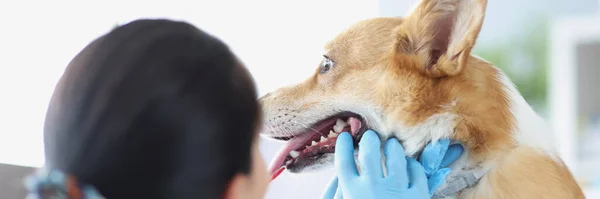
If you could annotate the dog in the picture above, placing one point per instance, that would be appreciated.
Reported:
(414, 78)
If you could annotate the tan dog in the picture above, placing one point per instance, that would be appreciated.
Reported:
(415, 79)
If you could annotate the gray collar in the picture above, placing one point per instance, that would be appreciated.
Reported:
(463, 179)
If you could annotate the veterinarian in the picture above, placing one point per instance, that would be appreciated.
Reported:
(160, 109)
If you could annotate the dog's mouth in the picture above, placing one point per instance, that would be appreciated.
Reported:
(312, 145)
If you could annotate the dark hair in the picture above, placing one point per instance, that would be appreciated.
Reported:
(153, 109)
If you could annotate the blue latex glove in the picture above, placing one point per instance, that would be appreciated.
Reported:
(435, 157)
(406, 177)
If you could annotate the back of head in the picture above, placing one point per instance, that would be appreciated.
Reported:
(153, 109)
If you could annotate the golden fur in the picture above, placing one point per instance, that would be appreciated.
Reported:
(408, 70)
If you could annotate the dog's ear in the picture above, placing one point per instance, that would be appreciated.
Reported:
(442, 33)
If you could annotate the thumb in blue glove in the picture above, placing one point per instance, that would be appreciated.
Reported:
(435, 158)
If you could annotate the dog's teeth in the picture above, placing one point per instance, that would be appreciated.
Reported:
(288, 162)
(323, 139)
(294, 154)
(332, 134)
(340, 122)
(339, 125)
(313, 143)
(338, 129)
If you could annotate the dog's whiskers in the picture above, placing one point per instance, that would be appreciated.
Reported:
(285, 130)
(308, 127)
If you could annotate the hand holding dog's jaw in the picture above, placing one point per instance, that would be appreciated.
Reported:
(386, 170)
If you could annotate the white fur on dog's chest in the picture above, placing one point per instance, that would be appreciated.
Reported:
(415, 138)
(464, 173)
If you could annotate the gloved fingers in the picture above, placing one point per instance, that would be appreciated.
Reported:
(344, 157)
(331, 189)
(416, 173)
(395, 162)
(369, 155)
(339, 194)
(437, 180)
(453, 153)
(433, 155)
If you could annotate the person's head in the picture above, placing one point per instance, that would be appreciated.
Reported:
(157, 109)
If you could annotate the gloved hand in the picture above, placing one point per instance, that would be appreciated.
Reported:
(435, 157)
(406, 177)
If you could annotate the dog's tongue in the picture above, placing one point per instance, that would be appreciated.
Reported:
(276, 166)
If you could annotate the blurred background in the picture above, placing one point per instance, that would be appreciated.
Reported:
(549, 48)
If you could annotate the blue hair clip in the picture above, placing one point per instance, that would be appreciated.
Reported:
(54, 184)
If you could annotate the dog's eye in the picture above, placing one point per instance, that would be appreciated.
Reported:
(326, 65)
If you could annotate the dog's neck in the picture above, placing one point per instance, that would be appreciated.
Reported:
(465, 171)
(528, 130)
